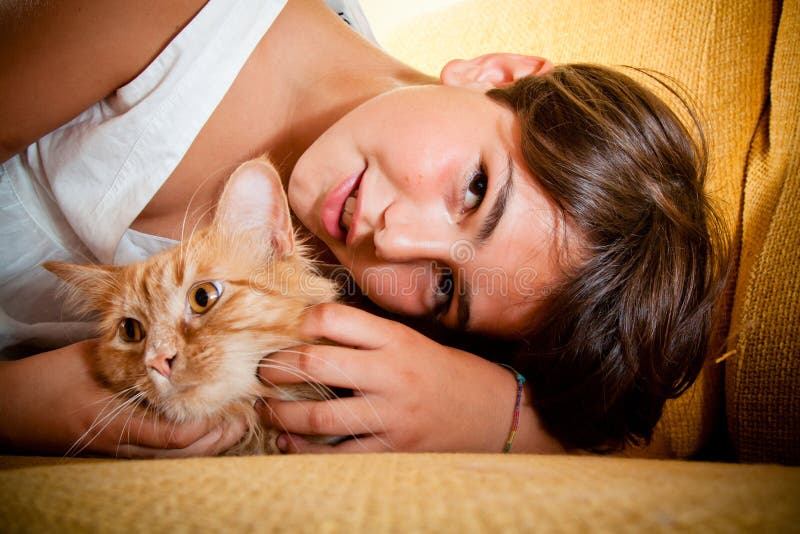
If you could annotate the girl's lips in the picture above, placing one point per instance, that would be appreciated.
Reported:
(333, 205)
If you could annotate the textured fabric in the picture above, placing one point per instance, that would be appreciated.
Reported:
(400, 493)
(718, 51)
(763, 376)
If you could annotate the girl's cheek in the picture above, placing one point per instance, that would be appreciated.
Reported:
(404, 292)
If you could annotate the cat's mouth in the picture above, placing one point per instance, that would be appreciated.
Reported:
(340, 208)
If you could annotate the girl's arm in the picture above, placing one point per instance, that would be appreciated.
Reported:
(411, 393)
(51, 404)
(58, 58)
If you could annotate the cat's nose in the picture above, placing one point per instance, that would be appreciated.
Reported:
(162, 364)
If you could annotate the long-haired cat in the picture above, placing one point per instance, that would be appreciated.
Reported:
(182, 333)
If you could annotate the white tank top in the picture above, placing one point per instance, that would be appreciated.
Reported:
(72, 195)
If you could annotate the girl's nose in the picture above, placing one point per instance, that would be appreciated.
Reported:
(411, 232)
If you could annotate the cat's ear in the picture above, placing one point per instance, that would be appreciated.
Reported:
(254, 201)
(90, 285)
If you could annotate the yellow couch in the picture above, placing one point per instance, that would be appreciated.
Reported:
(741, 61)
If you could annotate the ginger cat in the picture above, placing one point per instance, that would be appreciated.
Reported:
(183, 332)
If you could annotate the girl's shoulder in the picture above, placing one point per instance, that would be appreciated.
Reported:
(66, 58)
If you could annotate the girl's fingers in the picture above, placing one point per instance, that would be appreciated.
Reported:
(212, 443)
(347, 326)
(293, 444)
(205, 443)
(347, 416)
(227, 436)
(324, 364)
(148, 431)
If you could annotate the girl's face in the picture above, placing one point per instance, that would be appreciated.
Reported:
(422, 193)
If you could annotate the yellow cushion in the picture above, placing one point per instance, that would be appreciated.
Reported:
(397, 493)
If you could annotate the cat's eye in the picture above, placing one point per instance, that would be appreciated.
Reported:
(130, 330)
(204, 295)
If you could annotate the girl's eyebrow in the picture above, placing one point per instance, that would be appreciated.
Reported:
(499, 207)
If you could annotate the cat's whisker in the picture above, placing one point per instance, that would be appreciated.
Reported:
(101, 419)
(198, 221)
(330, 395)
(174, 426)
(126, 425)
(209, 176)
(144, 417)
(336, 368)
(113, 396)
(97, 420)
(365, 397)
(321, 389)
(259, 357)
(281, 366)
(137, 406)
(259, 360)
(113, 415)
(158, 418)
(273, 414)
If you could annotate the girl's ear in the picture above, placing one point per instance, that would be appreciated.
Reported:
(91, 286)
(492, 71)
(254, 201)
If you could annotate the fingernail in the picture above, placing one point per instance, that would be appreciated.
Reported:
(282, 442)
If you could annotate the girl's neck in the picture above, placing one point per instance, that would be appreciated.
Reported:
(327, 70)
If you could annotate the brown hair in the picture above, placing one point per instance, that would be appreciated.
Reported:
(630, 326)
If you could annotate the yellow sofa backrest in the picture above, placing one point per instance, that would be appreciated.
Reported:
(763, 376)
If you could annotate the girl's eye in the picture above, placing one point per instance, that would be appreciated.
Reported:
(130, 330)
(443, 292)
(476, 189)
(204, 295)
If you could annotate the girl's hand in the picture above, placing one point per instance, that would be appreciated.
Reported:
(51, 404)
(410, 393)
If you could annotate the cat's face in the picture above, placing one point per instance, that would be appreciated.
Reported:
(188, 327)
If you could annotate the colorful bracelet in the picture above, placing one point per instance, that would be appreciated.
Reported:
(517, 407)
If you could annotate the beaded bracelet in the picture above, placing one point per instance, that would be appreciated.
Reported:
(517, 407)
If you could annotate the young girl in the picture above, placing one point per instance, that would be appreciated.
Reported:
(561, 207)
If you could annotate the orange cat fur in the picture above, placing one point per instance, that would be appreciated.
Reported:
(187, 352)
